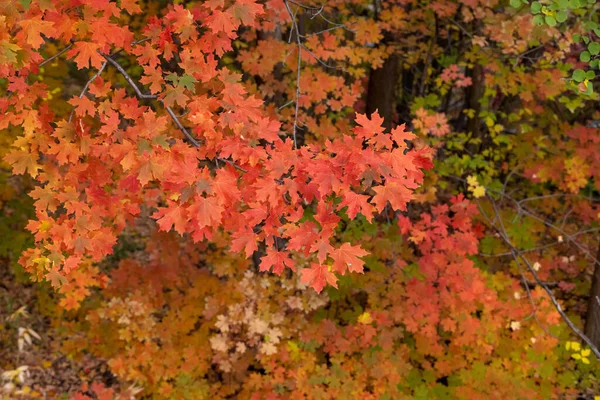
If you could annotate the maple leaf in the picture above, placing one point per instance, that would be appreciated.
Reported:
(206, 211)
(246, 240)
(317, 276)
(175, 96)
(401, 135)
(220, 21)
(130, 6)
(357, 203)
(322, 247)
(86, 55)
(23, 162)
(84, 106)
(149, 170)
(394, 192)
(173, 215)
(55, 278)
(245, 11)
(34, 27)
(368, 127)
(347, 256)
(214, 4)
(153, 77)
(278, 260)
(225, 185)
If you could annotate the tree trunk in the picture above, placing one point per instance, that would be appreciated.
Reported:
(474, 95)
(381, 93)
(592, 321)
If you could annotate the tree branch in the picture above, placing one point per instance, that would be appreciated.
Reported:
(517, 254)
(46, 61)
(141, 95)
(299, 66)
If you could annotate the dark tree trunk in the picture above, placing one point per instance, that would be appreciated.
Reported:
(474, 95)
(381, 93)
(592, 321)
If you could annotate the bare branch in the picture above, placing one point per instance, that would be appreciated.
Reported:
(141, 95)
(319, 60)
(181, 127)
(517, 254)
(133, 85)
(524, 281)
(60, 53)
(87, 85)
(299, 67)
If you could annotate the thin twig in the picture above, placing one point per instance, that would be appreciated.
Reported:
(141, 95)
(323, 63)
(517, 254)
(521, 272)
(87, 85)
(129, 79)
(299, 67)
(46, 61)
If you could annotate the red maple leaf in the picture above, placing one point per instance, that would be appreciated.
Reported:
(317, 276)
(347, 256)
(86, 55)
(244, 240)
(206, 211)
(245, 11)
(393, 191)
(173, 215)
(278, 260)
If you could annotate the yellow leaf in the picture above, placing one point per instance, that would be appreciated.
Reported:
(365, 318)
(472, 180)
(575, 346)
(586, 352)
(478, 192)
(585, 360)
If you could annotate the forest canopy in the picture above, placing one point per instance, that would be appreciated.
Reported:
(299, 199)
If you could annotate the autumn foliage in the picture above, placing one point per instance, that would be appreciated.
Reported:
(281, 199)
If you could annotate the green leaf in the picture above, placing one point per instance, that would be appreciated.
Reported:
(594, 48)
(515, 3)
(536, 7)
(187, 81)
(561, 16)
(585, 56)
(550, 20)
(576, 37)
(538, 20)
(594, 63)
(25, 4)
(172, 77)
(590, 75)
(562, 4)
(579, 75)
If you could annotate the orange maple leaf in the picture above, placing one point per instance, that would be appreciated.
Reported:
(86, 55)
(317, 276)
(278, 260)
(34, 27)
(347, 256)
